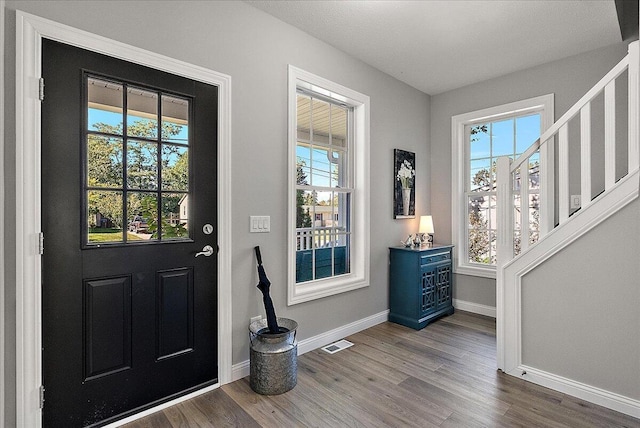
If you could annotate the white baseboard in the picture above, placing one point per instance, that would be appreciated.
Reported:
(592, 394)
(240, 370)
(476, 308)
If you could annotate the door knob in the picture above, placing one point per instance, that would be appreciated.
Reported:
(206, 251)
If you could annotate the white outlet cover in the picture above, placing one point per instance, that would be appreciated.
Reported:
(576, 201)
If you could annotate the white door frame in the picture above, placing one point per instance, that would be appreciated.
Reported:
(30, 30)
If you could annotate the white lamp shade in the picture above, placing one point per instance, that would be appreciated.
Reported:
(426, 224)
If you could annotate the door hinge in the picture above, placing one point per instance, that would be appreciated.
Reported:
(41, 89)
(41, 243)
(42, 396)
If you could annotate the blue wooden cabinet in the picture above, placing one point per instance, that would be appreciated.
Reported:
(420, 285)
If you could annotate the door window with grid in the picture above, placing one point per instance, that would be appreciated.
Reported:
(136, 185)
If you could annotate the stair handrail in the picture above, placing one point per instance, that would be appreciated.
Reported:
(506, 168)
(573, 111)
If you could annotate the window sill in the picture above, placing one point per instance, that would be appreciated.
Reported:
(307, 291)
(471, 270)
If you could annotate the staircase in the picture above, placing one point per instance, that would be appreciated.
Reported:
(559, 226)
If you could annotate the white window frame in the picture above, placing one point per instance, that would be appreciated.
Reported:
(460, 165)
(358, 275)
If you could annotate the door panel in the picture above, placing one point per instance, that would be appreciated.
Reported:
(175, 312)
(107, 322)
(129, 313)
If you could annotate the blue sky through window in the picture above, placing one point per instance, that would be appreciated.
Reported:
(505, 138)
(527, 131)
(316, 166)
(509, 137)
(103, 116)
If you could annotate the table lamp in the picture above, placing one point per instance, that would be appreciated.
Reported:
(426, 227)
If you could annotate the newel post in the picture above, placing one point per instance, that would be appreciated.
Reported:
(504, 246)
(504, 212)
(634, 106)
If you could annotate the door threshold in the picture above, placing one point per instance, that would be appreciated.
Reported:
(141, 412)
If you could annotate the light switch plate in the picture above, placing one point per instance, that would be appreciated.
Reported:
(259, 223)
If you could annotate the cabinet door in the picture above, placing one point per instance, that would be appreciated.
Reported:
(428, 289)
(443, 285)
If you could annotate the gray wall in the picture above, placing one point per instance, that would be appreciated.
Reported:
(568, 79)
(254, 48)
(580, 317)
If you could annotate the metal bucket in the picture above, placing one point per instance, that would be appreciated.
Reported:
(273, 357)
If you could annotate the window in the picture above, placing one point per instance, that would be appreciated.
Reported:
(136, 185)
(328, 188)
(479, 138)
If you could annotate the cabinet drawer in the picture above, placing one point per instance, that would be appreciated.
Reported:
(433, 258)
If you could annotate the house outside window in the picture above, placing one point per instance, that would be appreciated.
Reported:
(479, 138)
(329, 188)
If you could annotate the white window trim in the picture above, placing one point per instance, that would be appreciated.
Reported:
(360, 254)
(542, 104)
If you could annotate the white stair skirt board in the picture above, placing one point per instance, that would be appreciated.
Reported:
(510, 361)
(589, 393)
(476, 308)
(240, 370)
(337, 346)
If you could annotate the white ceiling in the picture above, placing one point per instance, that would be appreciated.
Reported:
(436, 46)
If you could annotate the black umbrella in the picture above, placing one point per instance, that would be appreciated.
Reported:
(263, 285)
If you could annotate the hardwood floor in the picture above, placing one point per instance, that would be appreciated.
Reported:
(441, 376)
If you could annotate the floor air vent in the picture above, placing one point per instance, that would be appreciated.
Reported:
(337, 346)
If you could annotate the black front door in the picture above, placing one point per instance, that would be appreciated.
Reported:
(129, 310)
